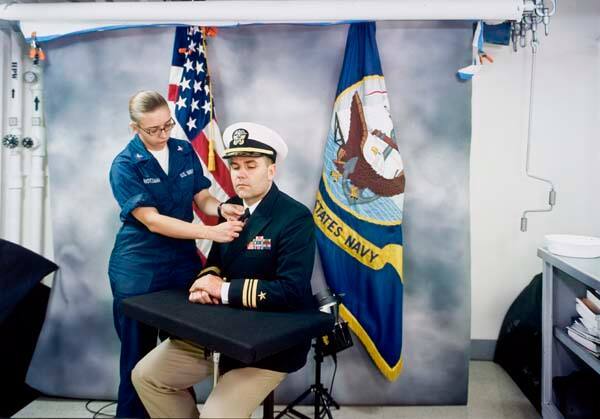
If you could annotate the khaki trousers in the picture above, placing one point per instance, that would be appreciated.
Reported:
(162, 379)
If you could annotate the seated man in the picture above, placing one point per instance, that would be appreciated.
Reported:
(268, 267)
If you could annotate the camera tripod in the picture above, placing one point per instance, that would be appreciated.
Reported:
(323, 399)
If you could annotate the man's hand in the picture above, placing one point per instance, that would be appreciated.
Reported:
(202, 297)
(206, 290)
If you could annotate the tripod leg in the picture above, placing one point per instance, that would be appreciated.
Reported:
(323, 398)
(290, 407)
(330, 399)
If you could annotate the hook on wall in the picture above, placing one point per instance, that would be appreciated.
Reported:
(536, 13)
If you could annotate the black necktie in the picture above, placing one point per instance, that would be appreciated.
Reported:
(245, 215)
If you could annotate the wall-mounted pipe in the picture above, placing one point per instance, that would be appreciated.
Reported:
(35, 146)
(13, 176)
(241, 11)
(4, 57)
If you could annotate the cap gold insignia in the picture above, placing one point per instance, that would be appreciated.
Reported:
(239, 136)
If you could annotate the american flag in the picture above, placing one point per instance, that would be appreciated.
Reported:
(191, 103)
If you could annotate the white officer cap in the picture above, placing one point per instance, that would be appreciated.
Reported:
(250, 139)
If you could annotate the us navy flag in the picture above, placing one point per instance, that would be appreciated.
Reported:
(358, 210)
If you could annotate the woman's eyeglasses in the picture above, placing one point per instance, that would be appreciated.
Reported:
(155, 131)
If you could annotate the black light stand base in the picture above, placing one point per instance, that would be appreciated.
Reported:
(323, 399)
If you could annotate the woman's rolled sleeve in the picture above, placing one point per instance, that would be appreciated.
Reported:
(128, 189)
(136, 201)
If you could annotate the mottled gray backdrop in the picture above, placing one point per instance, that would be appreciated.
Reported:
(285, 77)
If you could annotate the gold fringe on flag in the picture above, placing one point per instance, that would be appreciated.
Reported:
(211, 156)
(211, 165)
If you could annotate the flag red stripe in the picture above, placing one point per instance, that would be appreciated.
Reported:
(206, 219)
(173, 93)
(221, 174)
(202, 257)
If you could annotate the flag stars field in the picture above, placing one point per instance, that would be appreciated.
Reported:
(188, 65)
(185, 84)
(181, 103)
(197, 86)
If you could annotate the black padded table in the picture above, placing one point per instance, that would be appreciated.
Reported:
(245, 335)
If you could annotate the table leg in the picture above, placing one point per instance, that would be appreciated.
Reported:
(269, 406)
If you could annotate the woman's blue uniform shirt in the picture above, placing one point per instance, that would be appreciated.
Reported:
(140, 256)
(142, 261)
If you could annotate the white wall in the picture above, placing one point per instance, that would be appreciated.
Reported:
(565, 148)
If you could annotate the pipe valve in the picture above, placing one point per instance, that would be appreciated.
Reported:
(28, 142)
(10, 141)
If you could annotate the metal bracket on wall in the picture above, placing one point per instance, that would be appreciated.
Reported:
(536, 13)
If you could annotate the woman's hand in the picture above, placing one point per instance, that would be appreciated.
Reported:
(231, 212)
(225, 232)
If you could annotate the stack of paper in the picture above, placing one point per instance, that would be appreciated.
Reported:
(585, 330)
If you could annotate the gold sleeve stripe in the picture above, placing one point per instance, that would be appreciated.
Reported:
(250, 292)
(245, 293)
(254, 286)
(208, 269)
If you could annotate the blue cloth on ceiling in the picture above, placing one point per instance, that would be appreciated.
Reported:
(497, 34)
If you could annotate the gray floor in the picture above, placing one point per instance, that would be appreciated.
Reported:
(492, 395)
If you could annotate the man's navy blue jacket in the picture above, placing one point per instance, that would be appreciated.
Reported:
(269, 267)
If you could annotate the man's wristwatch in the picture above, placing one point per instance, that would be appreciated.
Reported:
(219, 210)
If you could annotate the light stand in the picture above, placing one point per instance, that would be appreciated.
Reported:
(322, 396)
(332, 343)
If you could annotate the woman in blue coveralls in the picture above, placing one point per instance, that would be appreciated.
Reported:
(154, 180)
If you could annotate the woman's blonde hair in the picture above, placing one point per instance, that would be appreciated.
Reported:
(144, 102)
